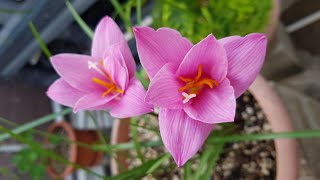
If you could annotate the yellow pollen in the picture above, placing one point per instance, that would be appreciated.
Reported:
(111, 87)
(194, 85)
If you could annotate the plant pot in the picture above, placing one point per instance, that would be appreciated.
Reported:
(76, 154)
(286, 149)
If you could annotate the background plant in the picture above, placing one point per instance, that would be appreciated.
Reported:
(196, 19)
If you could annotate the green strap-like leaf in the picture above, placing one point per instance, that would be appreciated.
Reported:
(42, 44)
(34, 123)
(79, 20)
(211, 164)
(136, 143)
(250, 137)
(138, 172)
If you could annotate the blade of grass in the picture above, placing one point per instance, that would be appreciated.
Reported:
(37, 147)
(212, 161)
(136, 143)
(203, 161)
(250, 137)
(42, 44)
(79, 20)
(47, 135)
(125, 19)
(100, 134)
(187, 171)
(13, 11)
(35, 123)
(158, 163)
(138, 8)
(146, 128)
(137, 172)
(125, 146)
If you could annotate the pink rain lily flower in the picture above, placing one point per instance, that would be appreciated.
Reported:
(104, 80)
(196, 86)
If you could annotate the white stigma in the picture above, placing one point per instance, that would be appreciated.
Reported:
(187, 97)
(93, 65)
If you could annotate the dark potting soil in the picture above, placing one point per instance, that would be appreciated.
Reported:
(242, 160)
(248, 160)
(61, 148)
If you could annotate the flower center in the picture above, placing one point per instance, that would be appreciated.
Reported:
(194, 85)
(109, 84)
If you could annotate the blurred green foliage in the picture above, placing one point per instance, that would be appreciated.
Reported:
(195, 19)
(30, 161)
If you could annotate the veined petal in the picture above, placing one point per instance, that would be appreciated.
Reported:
(132, 102)
(107, 33)
(181, 135)
(63, 93)
(215, 105)
(118, 72)
(163, 90)
(73, 68)
(93, 101)
(157, 48)
(210, 54)
(245, 59)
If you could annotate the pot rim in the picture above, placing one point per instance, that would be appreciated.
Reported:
(280, 121)
(72, 151)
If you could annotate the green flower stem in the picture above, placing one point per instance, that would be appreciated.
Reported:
(79, 20)
(42, 44)
(250, 137)
(35, 123)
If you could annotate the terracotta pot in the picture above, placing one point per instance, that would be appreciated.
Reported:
(277, 115)
(79, 155)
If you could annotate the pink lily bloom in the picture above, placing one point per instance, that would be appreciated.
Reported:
(196, 86)
(104, 80)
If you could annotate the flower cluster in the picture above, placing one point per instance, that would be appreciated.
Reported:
(194, 86)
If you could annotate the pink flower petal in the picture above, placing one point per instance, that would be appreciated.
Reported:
(93, 101)
(163, 90)
(181, 135)
(119, 73)
(156, 48)
(73, 68)
(132, 102)
(215, 105)
(245, 59)
(107, 33)
(63, 93)
(210, 54)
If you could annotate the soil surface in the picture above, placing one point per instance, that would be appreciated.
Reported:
(242, 160)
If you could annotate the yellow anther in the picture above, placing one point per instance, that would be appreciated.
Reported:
(194, 85)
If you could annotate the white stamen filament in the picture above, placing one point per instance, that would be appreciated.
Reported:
(93, 65)
(187, 97)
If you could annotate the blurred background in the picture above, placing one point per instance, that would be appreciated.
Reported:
(292, 64)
